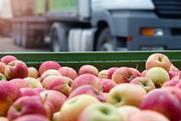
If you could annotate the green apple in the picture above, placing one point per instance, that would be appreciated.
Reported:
(100, 112)
(126, 94)
(72, 108)
(158, 75)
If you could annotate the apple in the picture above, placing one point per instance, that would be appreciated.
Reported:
(2, 77)
(127, 111)
(48, 65)
(34, 83)
(172, 82)
(75, 106)
(68, 72)
(3, 119)
(20, 83)
(103, 74)
(162, 102)
(16, 69)
(56, 116)
(26, 105)
(158, 60)
(53, 101)
(125, 75)
(46, 82)
(32, 117)
(88, 69)
(173, 68)
(61, 84)
(87, 79)
(147, 115)
(32, 72)
(146, 83)
(111, 71)
(8, 94)
(89, 90)
(8, 58)
(143, 73)
(173, 74)
(126, 94)
(178, 85)
(107, 84)
(28, 92)
(50, 72)
(100, 112)
(2, 67)
(158, 75)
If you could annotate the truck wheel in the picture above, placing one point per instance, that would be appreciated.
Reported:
(59, 35)
(105, 41)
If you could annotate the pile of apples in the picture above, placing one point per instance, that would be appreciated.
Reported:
(54, 92)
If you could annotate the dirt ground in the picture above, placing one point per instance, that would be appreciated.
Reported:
(7, 45)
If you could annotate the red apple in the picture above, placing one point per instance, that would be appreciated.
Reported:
(50, 72)
(111, 71)
(88, 69)
(107, 84)
(173, 74)
(48, 65)
(26, 105)
(16, 69)
(2, 67)
(103, 74)
(87, 89)
(126, 94)
(147, 116)
(125, 75)
(87, 79)
(28, 92)
(20, 83)
(178, 85)
(8, 94)
(61, 84)
(172, 82)
(75, 106)
(68, 72)
(8, 58)
(32, 72)
(158, 60)
(100, 112)
(32, 117)
(3, 119)
(34, 83)
(127, 111)
(164, 103)
(173, 68)
(158, 75)
(146, 83)
(53, 101)
(46, 82)
(143, 73)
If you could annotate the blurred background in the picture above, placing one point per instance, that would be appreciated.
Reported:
(90, 25)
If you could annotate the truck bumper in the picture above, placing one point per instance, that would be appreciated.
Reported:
(133, 23)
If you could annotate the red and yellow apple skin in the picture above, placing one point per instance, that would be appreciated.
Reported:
(26, 105)
(75, 106)
(87, 79)
(16, 69)
(146, 83)
(50, 72)
(48, 65)
(165, 103)
(8, 58)
(126, 94)
(2, 67)
(100, 112)
(32, 117)
(178, 85)
(88, 69)
(147, 115)
(20, 83)
(68, 72)
(61, 84)
(158, 60)
(3, 119)
(111, 71)
(107, 84)
(33, 72)
(103, 74)
(8, 94)
(125, 75)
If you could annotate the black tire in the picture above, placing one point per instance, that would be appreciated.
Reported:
(105, 41)
(59, 35)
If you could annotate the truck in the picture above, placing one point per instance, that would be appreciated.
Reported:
(100, 25)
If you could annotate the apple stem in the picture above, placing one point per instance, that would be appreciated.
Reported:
(137, 66)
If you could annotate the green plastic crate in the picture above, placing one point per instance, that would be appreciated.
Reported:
(102, 60)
